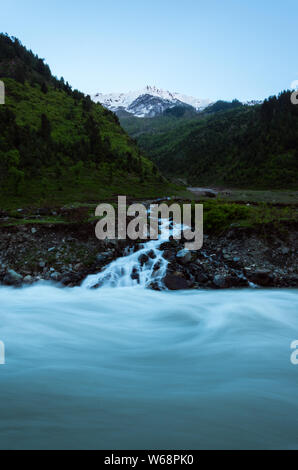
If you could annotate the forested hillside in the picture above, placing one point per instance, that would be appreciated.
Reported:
(55, 143)
(241, 146)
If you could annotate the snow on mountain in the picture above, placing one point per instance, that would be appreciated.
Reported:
(147, 102)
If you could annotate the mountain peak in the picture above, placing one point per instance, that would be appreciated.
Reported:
(148, 102)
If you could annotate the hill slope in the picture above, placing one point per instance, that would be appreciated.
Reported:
(56, 144)
(248, 146)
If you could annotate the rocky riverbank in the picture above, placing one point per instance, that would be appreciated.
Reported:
(67, 253)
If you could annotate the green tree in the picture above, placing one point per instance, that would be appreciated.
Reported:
(17, 177)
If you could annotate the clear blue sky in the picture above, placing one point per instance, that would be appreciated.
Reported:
(214, 49)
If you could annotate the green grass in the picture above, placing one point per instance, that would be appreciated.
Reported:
(93, 187)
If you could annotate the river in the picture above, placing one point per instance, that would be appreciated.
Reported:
(125, 367)
(130, 368)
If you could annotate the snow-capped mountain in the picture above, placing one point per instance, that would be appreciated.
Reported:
(148, 102)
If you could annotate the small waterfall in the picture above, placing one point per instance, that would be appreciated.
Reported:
(139, 268)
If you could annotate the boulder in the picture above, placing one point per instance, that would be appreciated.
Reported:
(143, 259)
(151, 254)
(175, 281)
(12, 278)
(220, 281)
(184, 256)
(201, 277)
(262, 277)
(169, 255)
(55, 276)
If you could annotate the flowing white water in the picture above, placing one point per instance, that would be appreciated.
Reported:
(131, 271)
(133, 368)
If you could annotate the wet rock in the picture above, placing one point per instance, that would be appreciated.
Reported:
(201, 277)
(156, 267)
(12, 278)
(293, 280)
(220, 281)
(143, 259)
(169, 255)
(135, 275)
(184, 256)
(262, 277)
(71, 279)
(151, 254)
(237, 281)
(175, 281)
(66, 279)
(154, 286)
(28, 279)
(55, 276)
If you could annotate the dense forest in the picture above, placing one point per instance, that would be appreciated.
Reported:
(227, 144)
(56, 141)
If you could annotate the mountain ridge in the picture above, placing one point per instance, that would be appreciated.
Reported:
(227, 144)
(148, 102)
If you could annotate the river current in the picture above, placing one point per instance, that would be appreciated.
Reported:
(132, 368)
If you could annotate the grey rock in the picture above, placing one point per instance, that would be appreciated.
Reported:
(151, 254)
(220, 281)
(262, 277)
(12, 278)
(143, 259)
(169, 255)
(55, 276)
(174, 281)
(184, 256)
(201, 277)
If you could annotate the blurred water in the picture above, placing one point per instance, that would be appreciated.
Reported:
(128, 271)
(131, 368)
